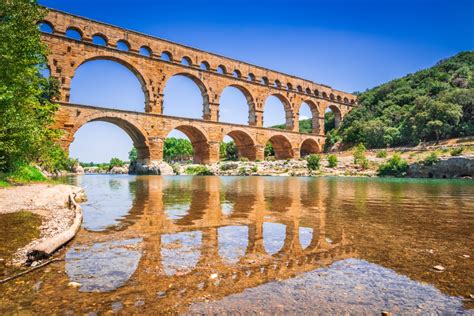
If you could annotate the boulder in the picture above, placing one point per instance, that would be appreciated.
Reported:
(119, 170)
(78, 169)
(154, 167)
(453, 167)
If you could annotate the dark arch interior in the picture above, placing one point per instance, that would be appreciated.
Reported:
(309, 146)
(281, 147)
(245, 145)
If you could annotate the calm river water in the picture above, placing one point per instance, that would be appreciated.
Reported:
(280, 245)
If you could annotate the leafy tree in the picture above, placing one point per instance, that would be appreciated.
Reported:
(228, 150)
(115, 162)
(268, 151)
(25, 108)
(177, 149)
(132, 155)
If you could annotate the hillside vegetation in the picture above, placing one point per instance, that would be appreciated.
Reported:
(431, 104)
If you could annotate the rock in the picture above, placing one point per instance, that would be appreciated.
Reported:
(439, 268)
(74, 284)
(119, 170)
(452, 167)
(154, 167)
(78, 169)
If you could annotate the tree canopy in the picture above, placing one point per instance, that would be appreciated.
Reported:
(25, 108)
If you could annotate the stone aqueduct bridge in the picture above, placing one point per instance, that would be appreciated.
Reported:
(154, 61)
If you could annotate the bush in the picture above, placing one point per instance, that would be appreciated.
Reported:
(254, 169)
(23, 174)
(457, 151)
(431, 159)
(332, 161)
(313, 161)
(243, 159)
(395, 166)
(359, 154)
(381, 154)
(115, 162)
(198, 171)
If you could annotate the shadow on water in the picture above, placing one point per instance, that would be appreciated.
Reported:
(168, 244)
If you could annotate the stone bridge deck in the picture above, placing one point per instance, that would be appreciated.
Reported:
(148, 132)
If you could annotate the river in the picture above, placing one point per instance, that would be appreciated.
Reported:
(281, 245)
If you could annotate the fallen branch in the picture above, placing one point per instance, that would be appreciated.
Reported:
(30, 270)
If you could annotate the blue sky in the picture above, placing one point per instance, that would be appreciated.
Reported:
(350, 45)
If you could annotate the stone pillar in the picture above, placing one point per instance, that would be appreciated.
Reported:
(211, 112)
(296, 153)
(155, 103)
(318, 125)
(213, 152)
(256, 118)
(260, 152)
(155, 146)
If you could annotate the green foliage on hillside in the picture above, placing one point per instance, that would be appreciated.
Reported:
(429, 105)
(25, 108)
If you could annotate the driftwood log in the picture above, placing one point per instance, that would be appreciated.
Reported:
(44, 249)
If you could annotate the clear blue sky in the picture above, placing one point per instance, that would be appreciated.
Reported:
(350, 45)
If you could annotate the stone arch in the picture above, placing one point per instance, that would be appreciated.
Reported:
(315, 114)
(74, 29)
(46, 27)
(100, 39)
(137, 134)
(244, 143)
(129, 66)
(287, 108)
(199, 141)
(337, 114)
(309, 146)
(202, 88)
(250, 101)
(281, 146)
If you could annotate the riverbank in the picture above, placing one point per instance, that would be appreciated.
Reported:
(57, 208)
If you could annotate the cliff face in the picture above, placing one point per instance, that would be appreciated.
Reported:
(454, 167)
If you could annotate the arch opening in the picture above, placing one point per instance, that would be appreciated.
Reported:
(99, 39)
(109, 82)
(233, 101)
(221, 70)
(280, 147)
(74, 33)
(145, 51)
(205, 66)
(186, 61)
(123, 45)
(185, 96)
(308, 147)
(192, 143)
(332, 118)
(237, 145)
(166, 56)
(46, 27)
(277, 112)
(101, 138)
(308, 118)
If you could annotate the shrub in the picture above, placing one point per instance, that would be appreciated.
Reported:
(198, 171)
(254, 169)
(381, 154)
(243, 159)
(242, 171)
(457, 151)
(431, 159)
(115, 162)
(24, 173)
(332, 161)
(313, 161)
(359, 156)
(395, 166)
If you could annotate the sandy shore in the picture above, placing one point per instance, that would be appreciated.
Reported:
(51, 202)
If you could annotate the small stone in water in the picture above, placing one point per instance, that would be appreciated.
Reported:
(74, 284)
(439, 268)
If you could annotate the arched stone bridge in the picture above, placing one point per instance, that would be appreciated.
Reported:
(154, 61)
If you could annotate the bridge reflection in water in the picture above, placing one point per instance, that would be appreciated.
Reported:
(188, 239)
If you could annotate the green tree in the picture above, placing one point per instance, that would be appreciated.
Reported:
(313, 161)
(434, 117)
(26, 112)
(115, 162)
(177, 149)
(132, 155)
(268, 151)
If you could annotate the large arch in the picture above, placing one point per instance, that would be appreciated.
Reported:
(309, 146)
(136, 133)
(288, 120)
(199, 141)
(281, 147)
(250, 103)
(315, 113)
(130, 67)
(244, 143)
(206, 111)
